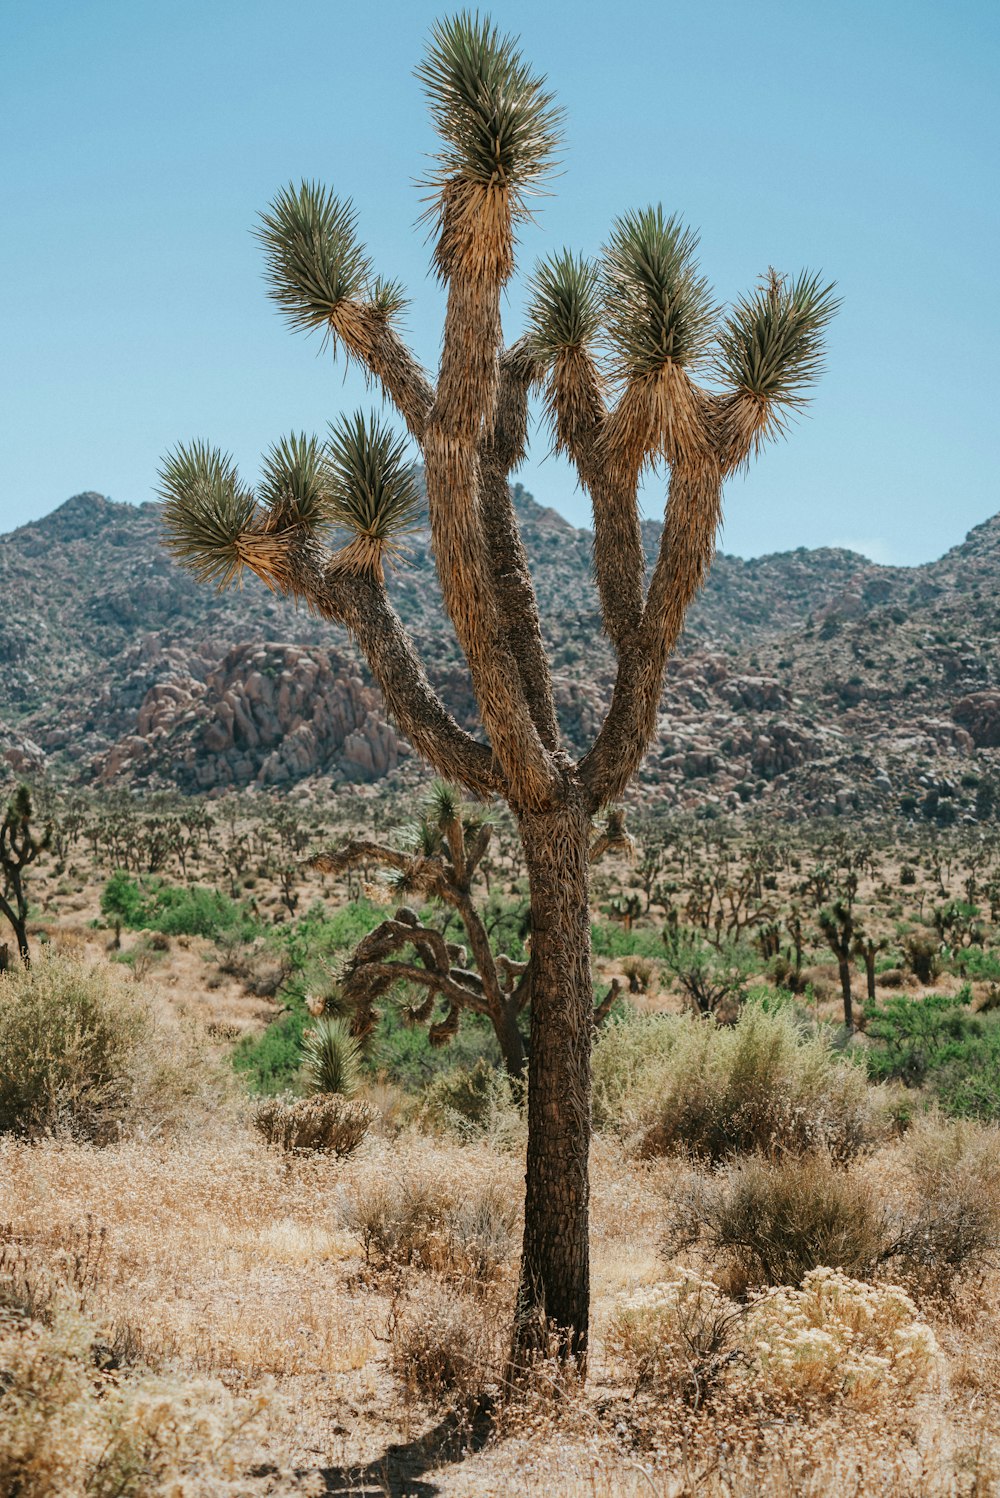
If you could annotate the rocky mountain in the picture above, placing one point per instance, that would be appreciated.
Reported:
(807, 681)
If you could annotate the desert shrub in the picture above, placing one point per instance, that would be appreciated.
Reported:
(392, 1107)
(835, 1338)
(910, 1037)
(66, 1429)
(713, 980)
(838, 1338)
(760, 1085)
(271, 1063)
(639, 972)
(626, 1052)
(175, 910)
(81, 1051)
(923, 956)
(773, 1221)
(675, 1336)
(431, 1225)
(445, 1345)
(951, 1229)
(331, 1057)
(472, 1101)
(326, 1124)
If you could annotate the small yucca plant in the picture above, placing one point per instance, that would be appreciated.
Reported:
(331, 1058)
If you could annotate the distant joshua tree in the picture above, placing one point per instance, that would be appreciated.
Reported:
(613, 346)
(19, 846)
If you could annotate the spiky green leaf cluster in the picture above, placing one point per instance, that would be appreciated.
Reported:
(494, 115)
(771, 344)
(292, 481)
(564, 311)
(387, 297)
(658, 307)
(422, 838)
(371, 486)
(331, 1058)
(444, 804)
(314, 258)
(205, 511)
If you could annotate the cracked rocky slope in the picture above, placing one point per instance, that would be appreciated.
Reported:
(809, 682)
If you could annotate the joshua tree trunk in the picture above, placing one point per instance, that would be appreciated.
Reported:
(554, 1288)
(20, 928)
(614, 348)
(843, 963)
(508, 1034)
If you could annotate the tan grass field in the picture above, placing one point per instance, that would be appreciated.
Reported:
(213, 1255)
(242, 1274)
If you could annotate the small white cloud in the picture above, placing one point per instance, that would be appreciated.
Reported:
(872, 547)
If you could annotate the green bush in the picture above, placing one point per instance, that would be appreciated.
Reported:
(912, 1036)
(966, 1080)
(317, 935)
(82, 1052)
(404, 1055)
(938, 1044)
(271, 1063)
(175, 910)
(981, 966)
(610, 939)
(688, 1085)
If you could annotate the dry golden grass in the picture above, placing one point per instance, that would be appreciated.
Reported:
(221, 1259)
(225, 1259)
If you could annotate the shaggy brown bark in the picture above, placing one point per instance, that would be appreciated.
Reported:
(553, 1295)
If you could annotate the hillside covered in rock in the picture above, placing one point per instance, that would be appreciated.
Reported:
(808, 681)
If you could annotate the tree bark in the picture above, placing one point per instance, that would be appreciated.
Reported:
(554, 1292)
(844, 964)
(508, 1035)
(19, 924)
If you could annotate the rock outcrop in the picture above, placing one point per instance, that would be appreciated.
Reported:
(806, 682)
(266, 714)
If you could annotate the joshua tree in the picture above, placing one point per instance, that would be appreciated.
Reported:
(868, 948)
(615, 347)
(836, 923)
(19, 846)
(444, 854)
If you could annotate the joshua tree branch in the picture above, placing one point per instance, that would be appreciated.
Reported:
(604, 1008)
(368, 334)
(579, 414)
(475, 257)
(687, 546)
(362, 605)
(501, 451)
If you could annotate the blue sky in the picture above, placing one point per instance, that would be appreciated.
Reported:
(140, 139)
